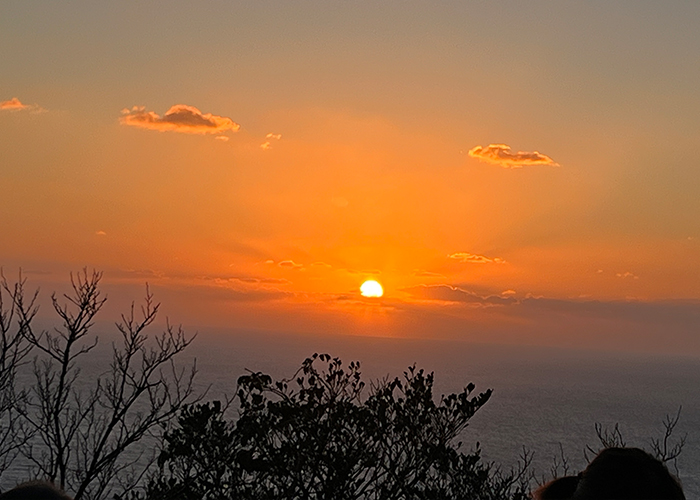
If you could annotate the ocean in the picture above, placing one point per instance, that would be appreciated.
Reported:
(545, 400)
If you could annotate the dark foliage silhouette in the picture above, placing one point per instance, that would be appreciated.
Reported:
(315, 436)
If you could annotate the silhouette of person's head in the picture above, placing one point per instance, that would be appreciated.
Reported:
(616, 474)
(35, 490)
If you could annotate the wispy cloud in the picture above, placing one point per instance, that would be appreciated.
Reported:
(320, 264)
(501, 155)
(427, 274)
(15, 104)
(471, 258)
(363, 271)
(247, 280)
(449, 293)
(268, 143)
(179, 118)
(290, 264)
(627, 274)
(233, 294)
(140, 273)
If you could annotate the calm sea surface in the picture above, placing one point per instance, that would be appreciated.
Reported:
(543, 398)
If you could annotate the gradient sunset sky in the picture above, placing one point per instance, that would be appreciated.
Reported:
(521, 172)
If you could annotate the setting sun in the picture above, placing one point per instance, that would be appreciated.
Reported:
(371, 288)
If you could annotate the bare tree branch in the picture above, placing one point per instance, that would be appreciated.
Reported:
(84, 430)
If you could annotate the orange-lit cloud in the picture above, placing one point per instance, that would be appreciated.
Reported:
(427, 274)
(627, 274)
(248, 280)
(179, 118)
(228, 294)
(449, 293)
(263, 281)
(15, 104)
(471, 258)
(290, 264)
(268, 144)
(363, 271)
(501, 155)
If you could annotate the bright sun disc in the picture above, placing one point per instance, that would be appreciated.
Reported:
(371, 288)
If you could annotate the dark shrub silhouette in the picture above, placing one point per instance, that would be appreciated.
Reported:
(316, 437)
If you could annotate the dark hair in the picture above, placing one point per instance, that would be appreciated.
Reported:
(35, 490)
(558, 489)
(616, 474)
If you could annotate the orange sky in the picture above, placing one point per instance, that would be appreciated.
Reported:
(528, 180)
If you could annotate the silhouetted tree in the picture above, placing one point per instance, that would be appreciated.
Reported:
(315, 436)
(14, 350)
(79, 429)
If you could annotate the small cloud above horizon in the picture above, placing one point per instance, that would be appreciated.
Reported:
(179, 118)
(15, 104)
(455, 294)
(363, 271)
(290, 264)
(320, 264)
(427, 274)
(249, 280)
(471, 258)
(267, 145)
(501, 155)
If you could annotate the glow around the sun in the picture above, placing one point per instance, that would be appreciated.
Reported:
(371, 288)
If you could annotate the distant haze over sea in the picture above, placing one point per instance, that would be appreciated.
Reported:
(542, 396)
